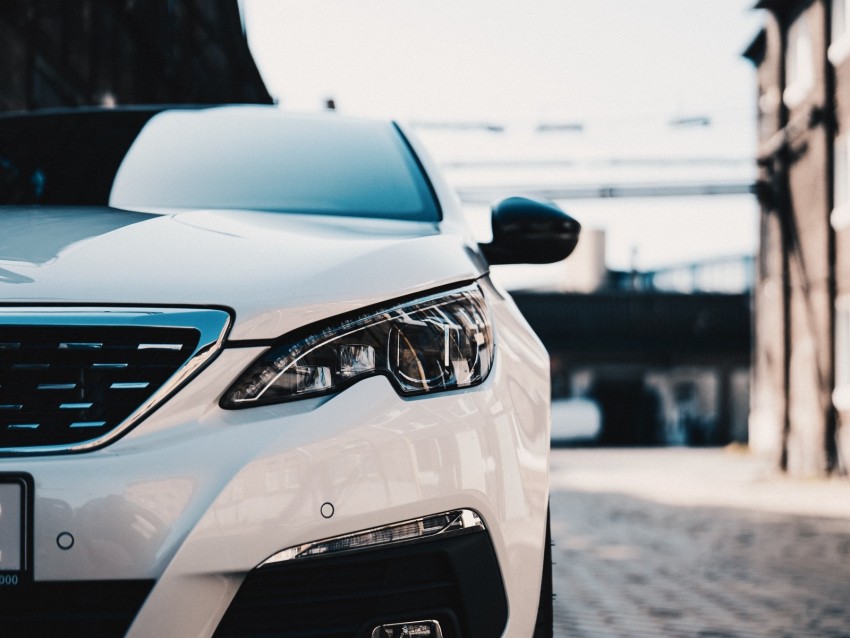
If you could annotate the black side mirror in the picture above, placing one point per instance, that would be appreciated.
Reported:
(526, 231)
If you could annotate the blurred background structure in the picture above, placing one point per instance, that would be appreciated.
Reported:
(638, 120)
(659, 341)
(649, 320)
(107, 52)
(663, 368)
(801, 393)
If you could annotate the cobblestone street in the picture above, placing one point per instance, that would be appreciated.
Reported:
(695, 542)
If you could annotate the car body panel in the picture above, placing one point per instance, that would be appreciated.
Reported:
(195, 496)
(276, 271)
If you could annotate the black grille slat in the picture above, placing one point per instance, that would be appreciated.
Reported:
(43, 368)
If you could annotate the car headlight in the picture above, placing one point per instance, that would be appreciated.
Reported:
(440, 342)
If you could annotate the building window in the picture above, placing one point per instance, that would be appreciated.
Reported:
(799, 63)
(840, 217)
(841, 395)
(839, 47)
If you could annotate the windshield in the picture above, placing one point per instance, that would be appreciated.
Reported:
(244, 157)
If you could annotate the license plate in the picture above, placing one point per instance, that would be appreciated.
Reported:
(14, 532)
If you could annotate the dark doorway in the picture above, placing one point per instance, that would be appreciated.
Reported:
(630, 412)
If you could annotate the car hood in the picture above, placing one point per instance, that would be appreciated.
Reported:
(276, 271)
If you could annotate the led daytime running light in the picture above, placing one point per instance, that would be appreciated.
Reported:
(437, 524)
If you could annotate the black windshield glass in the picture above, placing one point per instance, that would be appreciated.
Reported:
(230, 157)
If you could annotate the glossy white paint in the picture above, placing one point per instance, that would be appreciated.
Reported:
(196, 496)
(277, 271)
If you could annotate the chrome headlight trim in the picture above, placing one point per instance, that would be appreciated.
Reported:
(442, 524)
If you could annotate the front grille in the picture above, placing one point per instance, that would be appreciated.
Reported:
(61, 386)
(64, 386)
(455, 581)
(71, 609)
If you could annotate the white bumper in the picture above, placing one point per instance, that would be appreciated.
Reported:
(196, 496)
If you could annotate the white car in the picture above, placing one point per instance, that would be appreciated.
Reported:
(255, 381)
(575, 420)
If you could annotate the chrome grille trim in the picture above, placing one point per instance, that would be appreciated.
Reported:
(211, 326)
(159, 346)
(135, 385)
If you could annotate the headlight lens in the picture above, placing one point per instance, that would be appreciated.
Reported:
(440, 342)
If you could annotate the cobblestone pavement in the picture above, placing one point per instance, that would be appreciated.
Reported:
(706, 543)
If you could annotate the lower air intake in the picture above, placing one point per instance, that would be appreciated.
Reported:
(452, 581)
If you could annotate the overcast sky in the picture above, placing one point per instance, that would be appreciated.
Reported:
(628, 66)
(502, 59)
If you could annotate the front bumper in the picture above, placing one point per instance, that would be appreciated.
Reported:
(453, 582)
(195, 498)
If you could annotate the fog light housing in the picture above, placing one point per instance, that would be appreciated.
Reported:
(412, 629)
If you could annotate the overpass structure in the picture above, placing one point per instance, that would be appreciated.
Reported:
(665, 368)
(486, 194)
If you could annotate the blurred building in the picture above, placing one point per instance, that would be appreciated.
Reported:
(55, 53)
(665, 368)
(732, 275)
(801, 385)
(661, 352)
